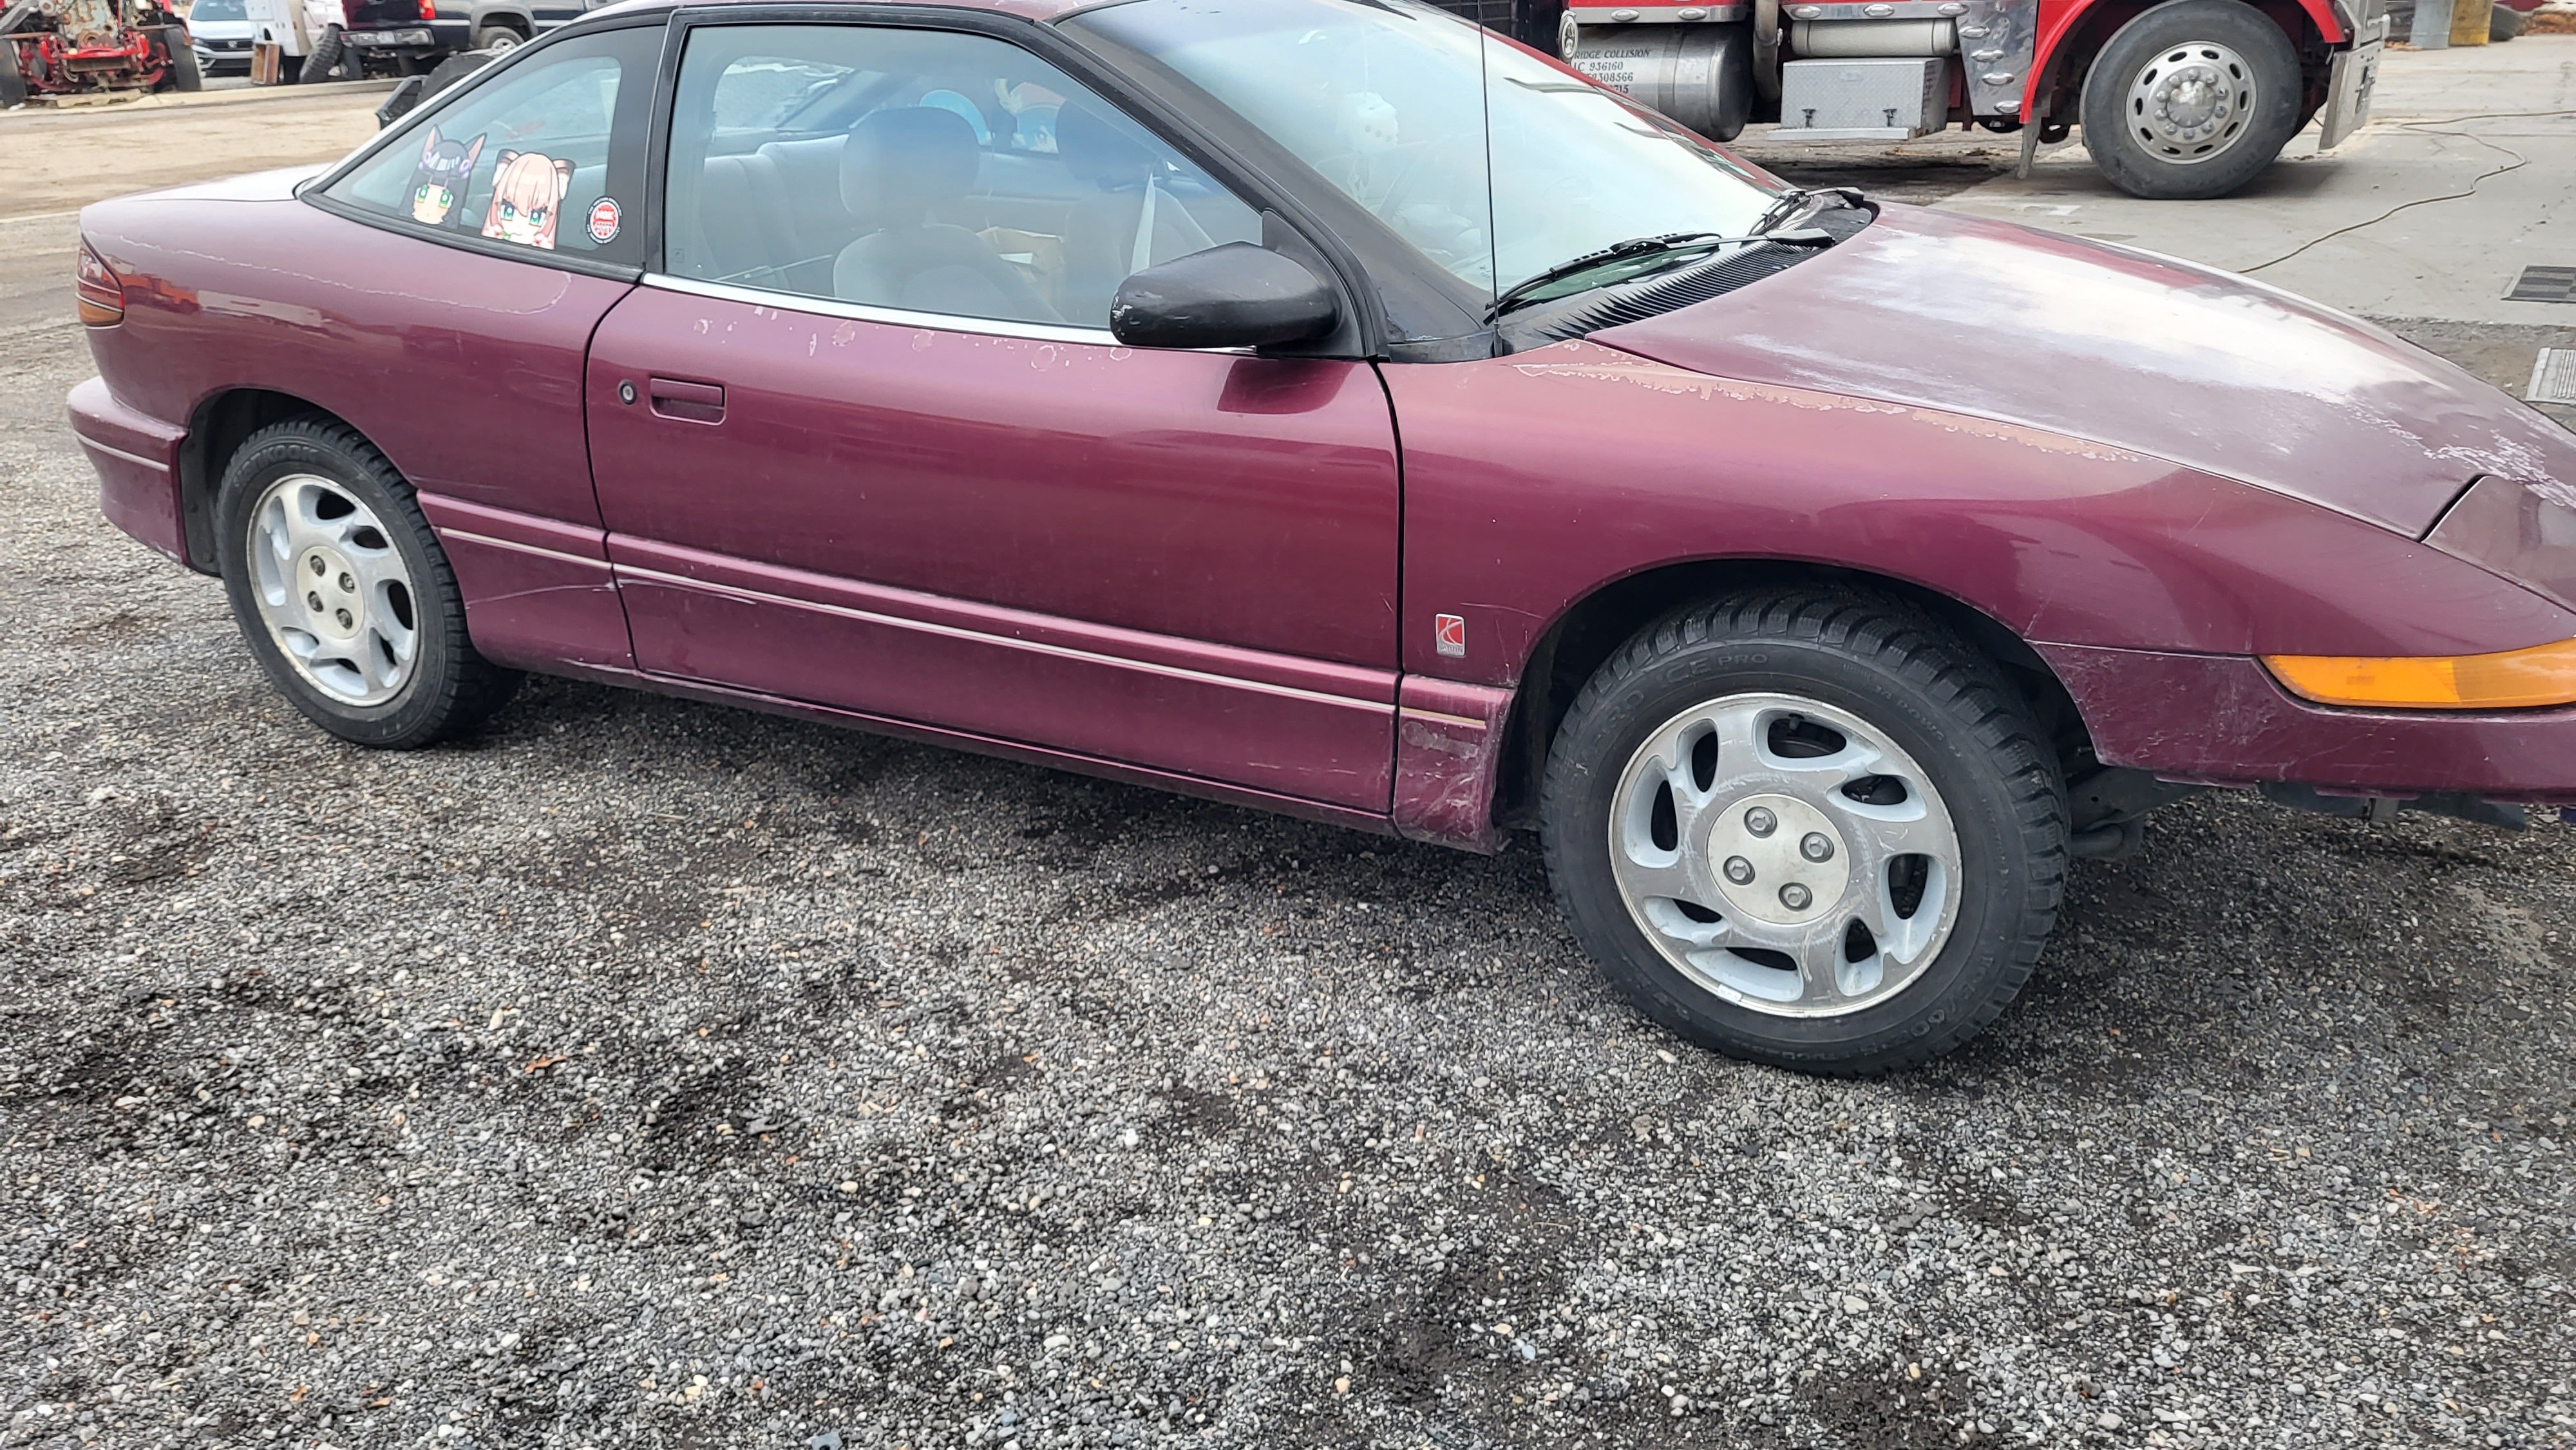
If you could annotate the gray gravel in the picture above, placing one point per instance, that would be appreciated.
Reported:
(654, 1074)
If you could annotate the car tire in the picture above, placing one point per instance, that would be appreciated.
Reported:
(185, 74)
(13, 86)
(324, 63)
(2190, 100)
(499, 39)
(1858, 724)
(370, 640)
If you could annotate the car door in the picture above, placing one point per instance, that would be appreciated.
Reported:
(866, 441)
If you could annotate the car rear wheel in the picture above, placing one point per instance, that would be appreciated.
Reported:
(1812, 828)
(2191, 99)
(498, 38)
(343, 592)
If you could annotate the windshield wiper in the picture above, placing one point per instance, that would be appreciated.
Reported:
(1519, 292)
(1787, 203)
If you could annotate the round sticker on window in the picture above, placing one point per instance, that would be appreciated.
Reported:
(603, 221)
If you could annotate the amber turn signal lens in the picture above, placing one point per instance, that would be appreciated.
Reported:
(100, 293)
(2514, 680)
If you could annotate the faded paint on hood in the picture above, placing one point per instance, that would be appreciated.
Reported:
(2148, 353)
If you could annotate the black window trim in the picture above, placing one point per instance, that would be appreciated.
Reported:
(315, 192)
(1365, 335)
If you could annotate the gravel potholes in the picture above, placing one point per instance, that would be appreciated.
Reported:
(653, 1074)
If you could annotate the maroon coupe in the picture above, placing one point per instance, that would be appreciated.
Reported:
(1189, 391)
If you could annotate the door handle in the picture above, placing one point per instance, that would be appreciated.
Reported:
(688, 402)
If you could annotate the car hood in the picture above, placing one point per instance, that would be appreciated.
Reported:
(2143, 352)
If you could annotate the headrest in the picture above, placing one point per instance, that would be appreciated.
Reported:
(898, 162)
(1096, 150)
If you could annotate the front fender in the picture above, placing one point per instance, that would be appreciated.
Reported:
(1535, 480)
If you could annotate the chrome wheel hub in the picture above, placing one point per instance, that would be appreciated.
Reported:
(2191, 102)
(333, 590)
(1785, 855)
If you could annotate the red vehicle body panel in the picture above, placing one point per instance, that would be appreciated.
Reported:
(464, 370)
(1075, 544)
(1221, 574)
(2208, 370)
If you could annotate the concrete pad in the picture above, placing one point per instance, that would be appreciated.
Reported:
(2460, 181)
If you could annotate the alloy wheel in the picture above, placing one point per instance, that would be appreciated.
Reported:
(333, 590)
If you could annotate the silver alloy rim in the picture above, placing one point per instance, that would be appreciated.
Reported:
(1785, 855)
(503, 39)
(333, 590)
(2191, 102)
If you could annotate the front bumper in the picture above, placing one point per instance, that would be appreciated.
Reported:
(137, 461)
(2220, 719)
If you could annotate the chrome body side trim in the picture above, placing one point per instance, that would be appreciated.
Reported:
(889, 316)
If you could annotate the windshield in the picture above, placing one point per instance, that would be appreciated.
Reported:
(1392, 103)
(219, 10)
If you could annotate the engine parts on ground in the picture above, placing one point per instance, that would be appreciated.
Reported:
(55, 49)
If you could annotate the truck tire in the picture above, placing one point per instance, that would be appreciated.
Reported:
(2191, 100)
(184, 74)
(499, 39)
(13, 86)
(329, 53)
(1810, 827)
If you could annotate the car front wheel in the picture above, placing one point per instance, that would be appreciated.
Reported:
(343, 593)
(1808, 828)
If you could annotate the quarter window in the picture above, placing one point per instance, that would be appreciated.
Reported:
(526, 159)
(922, 170)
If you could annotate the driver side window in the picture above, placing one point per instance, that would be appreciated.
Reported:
(925, 171)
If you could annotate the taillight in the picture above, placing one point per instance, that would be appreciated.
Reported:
(429, 9)
(101, 294)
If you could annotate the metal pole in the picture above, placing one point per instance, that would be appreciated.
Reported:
(2432, 30)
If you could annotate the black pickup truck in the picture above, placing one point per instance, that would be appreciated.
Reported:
(409, 37)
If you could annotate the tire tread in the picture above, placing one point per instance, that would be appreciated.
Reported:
(462, 696)
(1900, 638)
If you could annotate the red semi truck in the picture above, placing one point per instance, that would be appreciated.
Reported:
(2177, 98)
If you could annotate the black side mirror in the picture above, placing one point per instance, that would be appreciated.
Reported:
(1236, 295)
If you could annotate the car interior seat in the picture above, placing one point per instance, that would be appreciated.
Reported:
(897, 168)
(1125, 222)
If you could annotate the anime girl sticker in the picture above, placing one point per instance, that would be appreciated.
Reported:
(527, 192)
(440, 177)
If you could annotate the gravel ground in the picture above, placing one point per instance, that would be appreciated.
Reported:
(654, 1074)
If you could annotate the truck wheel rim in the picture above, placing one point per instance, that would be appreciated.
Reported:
(2191, 103)
(501, 41)
(1785, 855)
(333, 590)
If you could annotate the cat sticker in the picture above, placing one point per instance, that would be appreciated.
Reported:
(527, 192)
(440, 178)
